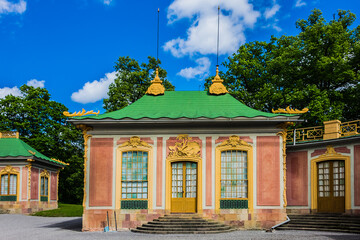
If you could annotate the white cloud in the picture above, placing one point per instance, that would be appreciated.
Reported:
(299, 3)
(15, 91)
(107, 2)
(200, 71)
(9, 7)
(235, 17)
(36, 83)
(270, 12)
(95, 90)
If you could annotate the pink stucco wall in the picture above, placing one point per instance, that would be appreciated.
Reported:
(101, 172)
(357, 175)
(25, 180)
(297, 178)
(159, 173)
(34, 183)
(268, 171)
(53, 187)
(209, 185)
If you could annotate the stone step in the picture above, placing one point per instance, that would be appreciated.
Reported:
(319, 225)
(319, 229)
(182, 224)
(180, 232)
(324, 223)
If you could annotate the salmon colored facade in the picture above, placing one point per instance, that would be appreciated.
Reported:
(28, 180)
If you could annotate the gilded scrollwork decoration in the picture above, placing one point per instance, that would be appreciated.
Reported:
(156, 87)
(135, 142)
(234, 141)
(186, 148)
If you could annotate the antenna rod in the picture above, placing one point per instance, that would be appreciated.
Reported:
(217, 50)
(157, 44)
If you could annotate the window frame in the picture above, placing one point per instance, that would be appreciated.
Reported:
(46, 175)
(133, 144)
(9, 170)
(234, 144)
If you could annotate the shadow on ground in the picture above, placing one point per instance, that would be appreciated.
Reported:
(73, 225)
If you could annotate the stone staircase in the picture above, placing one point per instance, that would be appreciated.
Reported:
(323, 222)
(182, 224)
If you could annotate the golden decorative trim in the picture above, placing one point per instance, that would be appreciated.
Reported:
(33, 153)
(45, 173)
(217, 87)
(85, 129)
(9, 134)
(283, 134)
(9, 169)
(234, 141)
(290, 110)
(156, 87)
(330, 154)
(80, 113)
(30, 160)
(57, 160)
(29, 180)
(57, 185)
(185, 149)
(135, 142)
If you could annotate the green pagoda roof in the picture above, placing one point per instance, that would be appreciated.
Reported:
(185, 104)
(15, 147)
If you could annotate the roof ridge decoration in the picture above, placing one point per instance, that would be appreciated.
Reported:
(290, 110)
(217, 87)
(59, 161)
(9, 134)
(80, 113)
(156, 87)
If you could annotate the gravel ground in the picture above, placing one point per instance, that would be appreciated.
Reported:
(18, 227)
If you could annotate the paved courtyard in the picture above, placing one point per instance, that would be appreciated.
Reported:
(15, 227)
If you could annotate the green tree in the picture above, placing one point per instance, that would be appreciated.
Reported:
(41, 123)
(318, 69)
(133, 79)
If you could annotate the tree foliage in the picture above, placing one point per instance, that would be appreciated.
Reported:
(133, 79)
(41, 124)
(318, 69)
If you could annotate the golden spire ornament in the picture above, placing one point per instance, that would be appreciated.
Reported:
(217, 87)
(156, 87)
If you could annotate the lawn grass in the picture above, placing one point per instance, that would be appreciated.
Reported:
(64, 210)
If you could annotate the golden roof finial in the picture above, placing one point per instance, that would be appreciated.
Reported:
(156, 87)
(217, 87)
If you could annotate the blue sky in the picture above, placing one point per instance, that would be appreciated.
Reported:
(70, 46)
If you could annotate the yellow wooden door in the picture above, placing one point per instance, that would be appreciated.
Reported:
(184, 187)
(331, 187)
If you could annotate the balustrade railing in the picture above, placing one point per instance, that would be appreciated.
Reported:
(305, 134)
(349, 128)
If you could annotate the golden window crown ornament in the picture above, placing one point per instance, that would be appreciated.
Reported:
(234, 141)
(185, 148)
(290, 110)
(80, 113)
(135, 142)
(9, 169)
(156, 87)
(217, 87)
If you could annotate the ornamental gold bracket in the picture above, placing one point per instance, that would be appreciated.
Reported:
(80, 113)
(217, 87)
(290, 110)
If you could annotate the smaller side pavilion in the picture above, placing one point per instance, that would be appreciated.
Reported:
(28, 179)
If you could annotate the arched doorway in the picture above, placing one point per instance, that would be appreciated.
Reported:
(330, 182)
(183, 187)
(331, 186)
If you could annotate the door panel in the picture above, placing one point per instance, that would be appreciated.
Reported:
(184, 187)
(331, 186)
